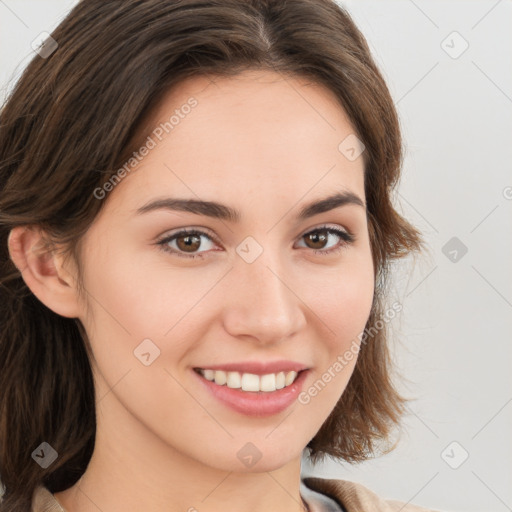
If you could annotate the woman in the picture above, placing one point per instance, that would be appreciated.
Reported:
(196, 227)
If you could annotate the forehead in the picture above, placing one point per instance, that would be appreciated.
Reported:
(257, 106)
(258, 134)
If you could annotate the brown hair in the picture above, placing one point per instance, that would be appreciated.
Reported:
(67, 127)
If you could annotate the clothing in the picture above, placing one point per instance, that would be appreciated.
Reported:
(321, 495)
(356, 497)
(319, 502)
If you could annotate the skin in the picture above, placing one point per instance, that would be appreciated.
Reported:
(266, 146)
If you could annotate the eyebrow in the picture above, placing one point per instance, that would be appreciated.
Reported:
(224, 212)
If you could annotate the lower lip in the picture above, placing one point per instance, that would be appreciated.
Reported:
(253, 403)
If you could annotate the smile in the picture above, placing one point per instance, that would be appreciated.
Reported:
(249, 381)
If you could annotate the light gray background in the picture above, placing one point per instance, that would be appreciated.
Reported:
(453, 338)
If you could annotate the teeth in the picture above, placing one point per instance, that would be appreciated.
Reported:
(267, 382)
(209, 374)
(220, 378)
(234, 380)
(280, 380)
(249, 381)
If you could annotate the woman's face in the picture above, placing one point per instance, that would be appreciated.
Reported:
(270, 286)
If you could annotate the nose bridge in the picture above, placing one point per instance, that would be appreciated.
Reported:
(261, 301)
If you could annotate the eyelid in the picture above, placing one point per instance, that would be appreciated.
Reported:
(346, 236)
(338, 230)
(214, 237)
(189, 229)
(336, 227)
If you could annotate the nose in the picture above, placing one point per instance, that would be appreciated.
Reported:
(261, 302)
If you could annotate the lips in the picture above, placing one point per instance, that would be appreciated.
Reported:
(256, 404)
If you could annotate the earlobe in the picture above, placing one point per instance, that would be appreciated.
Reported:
(42, 270)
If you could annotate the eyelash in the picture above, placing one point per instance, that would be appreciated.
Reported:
(346, 237)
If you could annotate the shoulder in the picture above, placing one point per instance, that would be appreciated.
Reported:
(44, 501)
(352, 496)
(356, 497)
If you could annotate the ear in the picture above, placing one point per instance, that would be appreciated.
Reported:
(43, 271)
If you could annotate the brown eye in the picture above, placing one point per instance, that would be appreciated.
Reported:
(318, 238)
(187, 243)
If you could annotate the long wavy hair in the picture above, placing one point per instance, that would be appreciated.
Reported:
(67, 127)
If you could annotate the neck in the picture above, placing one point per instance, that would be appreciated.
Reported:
(133, 469)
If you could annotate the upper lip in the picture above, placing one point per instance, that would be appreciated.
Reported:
(258, 367)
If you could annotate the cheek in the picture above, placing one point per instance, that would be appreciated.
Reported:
(138, 298)
(343, 305)
(350, 304)
(136, 311)
(343, 297)
(141, 295)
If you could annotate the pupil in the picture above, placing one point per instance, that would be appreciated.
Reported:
(188, 240)
(317, 238)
